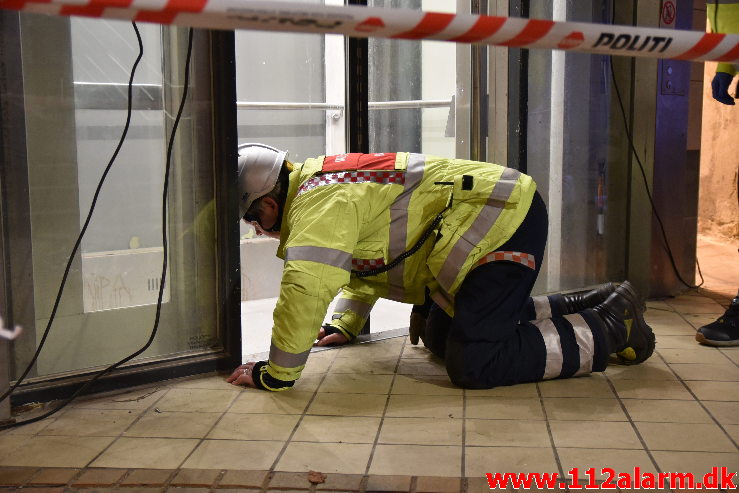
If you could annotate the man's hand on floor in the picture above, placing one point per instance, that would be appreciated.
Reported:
(243, 375)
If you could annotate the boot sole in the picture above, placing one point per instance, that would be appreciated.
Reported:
(640, 331)
(708, 342)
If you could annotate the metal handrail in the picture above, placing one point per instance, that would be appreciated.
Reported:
(377, 105)
(122, 85)
(416, 103)
(112, 96)
(244, 105)
(98, 95)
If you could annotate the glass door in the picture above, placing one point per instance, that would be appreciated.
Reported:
(66, 105)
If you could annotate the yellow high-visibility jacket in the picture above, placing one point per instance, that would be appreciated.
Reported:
(723, 15)
(360, 211)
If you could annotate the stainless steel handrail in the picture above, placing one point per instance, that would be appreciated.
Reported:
(112, 96)
(98, 95)
(417, 103)
(243, 105)
(122, 85)
(377, 105)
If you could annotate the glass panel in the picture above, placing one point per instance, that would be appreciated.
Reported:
(568, 154)
(73, 112)
(281, 68)
(124, 231)
(421, 78)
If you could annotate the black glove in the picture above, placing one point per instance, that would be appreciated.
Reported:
(720, 88)
(265, 381)
(330, 329)
(417, 327)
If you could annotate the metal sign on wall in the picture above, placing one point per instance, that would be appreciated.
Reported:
(672, 81)
(668, 14)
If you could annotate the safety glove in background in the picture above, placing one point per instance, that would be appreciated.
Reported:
(720, 88)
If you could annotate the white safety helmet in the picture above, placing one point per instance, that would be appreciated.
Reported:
(259, 168)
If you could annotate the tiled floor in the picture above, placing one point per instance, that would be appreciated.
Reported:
(383, 416)
(720, 264)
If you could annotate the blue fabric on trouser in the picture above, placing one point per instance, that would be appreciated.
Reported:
(485, 345)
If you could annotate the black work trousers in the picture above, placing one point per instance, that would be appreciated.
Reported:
(486, 344)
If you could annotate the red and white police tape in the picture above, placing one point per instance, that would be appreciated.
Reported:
(358, 21)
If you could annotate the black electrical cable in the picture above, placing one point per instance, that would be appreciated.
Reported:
(164, 237)
(87, 220)
(425, 236)
(644, 176)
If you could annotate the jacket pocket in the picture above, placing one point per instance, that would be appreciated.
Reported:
(477, 190)
(368, 255)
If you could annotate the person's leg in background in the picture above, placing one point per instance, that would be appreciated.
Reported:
(724, 331)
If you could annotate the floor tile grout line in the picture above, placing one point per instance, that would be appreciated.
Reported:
(120, 435)
(67, 408)
(384, 410)
(700, 402)
(303, 413)
(74, 477)
(463, 464)
(723, 350)
(444, 445)
(552, 443)
(633, 424)
(210, 430)
(735, 363)
(545, 447)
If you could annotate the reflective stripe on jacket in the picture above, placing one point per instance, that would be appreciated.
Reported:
(360, 211)
(724, 19)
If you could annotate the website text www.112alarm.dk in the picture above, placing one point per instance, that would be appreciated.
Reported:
(719, 478)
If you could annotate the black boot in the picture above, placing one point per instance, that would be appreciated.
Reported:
(724, 331)
(577, 302)
(628, 335)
